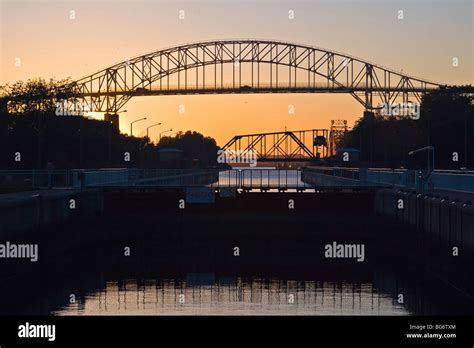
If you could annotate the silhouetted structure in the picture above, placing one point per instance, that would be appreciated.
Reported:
(271, 67)
(33, 139)
(336, 133)
(301, 145)
(446, 123)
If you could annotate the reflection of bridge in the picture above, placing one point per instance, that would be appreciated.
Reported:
(236, 295)
(246, 66)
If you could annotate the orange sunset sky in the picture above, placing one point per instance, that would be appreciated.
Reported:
(49, 43)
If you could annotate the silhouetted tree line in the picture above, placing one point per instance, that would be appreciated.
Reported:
(194, 145)
(35, 95)
(446, 122)
(68, 142)
(31, 135)
(79, 142)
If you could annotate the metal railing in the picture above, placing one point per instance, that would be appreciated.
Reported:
(246, 179)
(453, 180)
(21, 180)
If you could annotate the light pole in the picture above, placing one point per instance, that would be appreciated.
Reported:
(429, 170)
(131, 125)
(426, 148)
(166, 131)
(465, 138)
(147, 128)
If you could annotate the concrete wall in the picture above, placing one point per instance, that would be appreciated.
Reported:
(437, 218)
(433, 227)
(453, 181)
(179, 178)
(323, 178)
(25, 211)
(100, 177)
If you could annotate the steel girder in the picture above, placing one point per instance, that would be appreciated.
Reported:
(287, 146)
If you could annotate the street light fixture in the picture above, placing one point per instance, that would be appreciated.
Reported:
(426, 148)
(425, 177)
(153, 125)
(166, 131)
(131, 125)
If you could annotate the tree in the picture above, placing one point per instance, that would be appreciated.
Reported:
(194, 146)
(446, 122)
(35, 95)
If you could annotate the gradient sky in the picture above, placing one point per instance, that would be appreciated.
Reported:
(50, 44)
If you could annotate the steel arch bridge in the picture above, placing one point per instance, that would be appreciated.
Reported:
(246, 66)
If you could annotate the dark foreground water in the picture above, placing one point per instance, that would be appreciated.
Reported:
(186, 264)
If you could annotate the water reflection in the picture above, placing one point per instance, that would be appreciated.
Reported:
(261, 178)
(237, 296)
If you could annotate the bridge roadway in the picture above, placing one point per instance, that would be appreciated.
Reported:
(263, 88)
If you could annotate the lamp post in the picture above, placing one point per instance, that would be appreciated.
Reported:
(465, 138)
(166, 131)
(429, 170)
(131, 125)
(426, 148)
(147, 128)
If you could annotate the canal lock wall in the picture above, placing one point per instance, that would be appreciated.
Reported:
(439, 230)
(30, 211)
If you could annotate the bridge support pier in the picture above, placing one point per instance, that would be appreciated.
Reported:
(367, 143)
(112, 118)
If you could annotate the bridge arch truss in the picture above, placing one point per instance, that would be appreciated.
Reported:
(247, 66)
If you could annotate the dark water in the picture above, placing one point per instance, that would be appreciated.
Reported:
(184, 263)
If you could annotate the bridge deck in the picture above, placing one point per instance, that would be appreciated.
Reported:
(212, 89)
